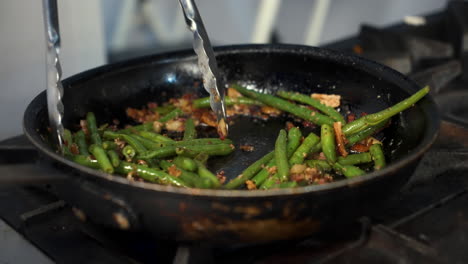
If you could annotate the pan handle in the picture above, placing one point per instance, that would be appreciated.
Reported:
(18, 164)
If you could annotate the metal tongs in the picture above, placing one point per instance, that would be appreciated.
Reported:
(54, 71)
(207, 63)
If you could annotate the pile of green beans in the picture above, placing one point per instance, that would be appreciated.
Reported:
(138, 152)
(274, 170)
(297, 159)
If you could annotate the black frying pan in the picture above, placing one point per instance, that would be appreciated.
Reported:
(236, 216)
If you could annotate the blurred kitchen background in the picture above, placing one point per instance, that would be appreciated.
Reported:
(96, 32)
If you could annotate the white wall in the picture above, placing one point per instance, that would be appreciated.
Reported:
(22, 51)
(22, 44)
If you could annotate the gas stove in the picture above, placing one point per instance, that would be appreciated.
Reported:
(426, 222)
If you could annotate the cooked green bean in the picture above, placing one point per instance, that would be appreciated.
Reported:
(92, 128)
(202, 157)
(162, 152)
(349, 171)
(114, 157)
(365, 133)
(67, 137)
(91, 123)
(281, 156)
(188, 177)
(96, 139)
(301, 152)
(80, 139)
(163, 110)
(211, 150)
(149, 174)
(100, 154)
(188, 150)
(375, 118)
(321, 165)
(228, 101)
(354, 159)
(315, 148)
(328, 143)
(85, 161)
(128, 152)
(155, 136)
(249, 172)
(185, 163)
(171, 115)
(132, 141)
(286, 106)
(302, 98)
(190, 131)
(294, 140)
(203, 172)
(263, 174)
(109, 145)
(281, 185)
(377, 156)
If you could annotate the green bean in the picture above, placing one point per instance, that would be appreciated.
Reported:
(149, 174)
(328, 143)
(96, 139)
(80, 139)
(375, 118)
(190, 131)
(91, 123)
(100, 154)
(263, 174)
(249, 172)
(162, 152)
(203, 172)
(185, 163)
(349, 171)
(228, 101)
(114, 157)
(286, 106)
(189, 150)
(281, 185)
(202, 157)
(155, 137)
(190, 142)
(67, 138)
(365, 133)
(321, 165)
(212, 150)
(171, 115)
(270, 182)
(162, 110)
(147, 126)
(354, 159)
(128, 152)
(85, 161)
(152, 163)
(147, 143)
(301, 152)
(294, 140)
(109, 145)
(377, 156)
(92, 128)
(188, 177)
(132, 141)
(302, 98)
(316, 148)
(281, 156)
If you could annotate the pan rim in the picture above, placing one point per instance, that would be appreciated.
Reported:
(430, 136)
